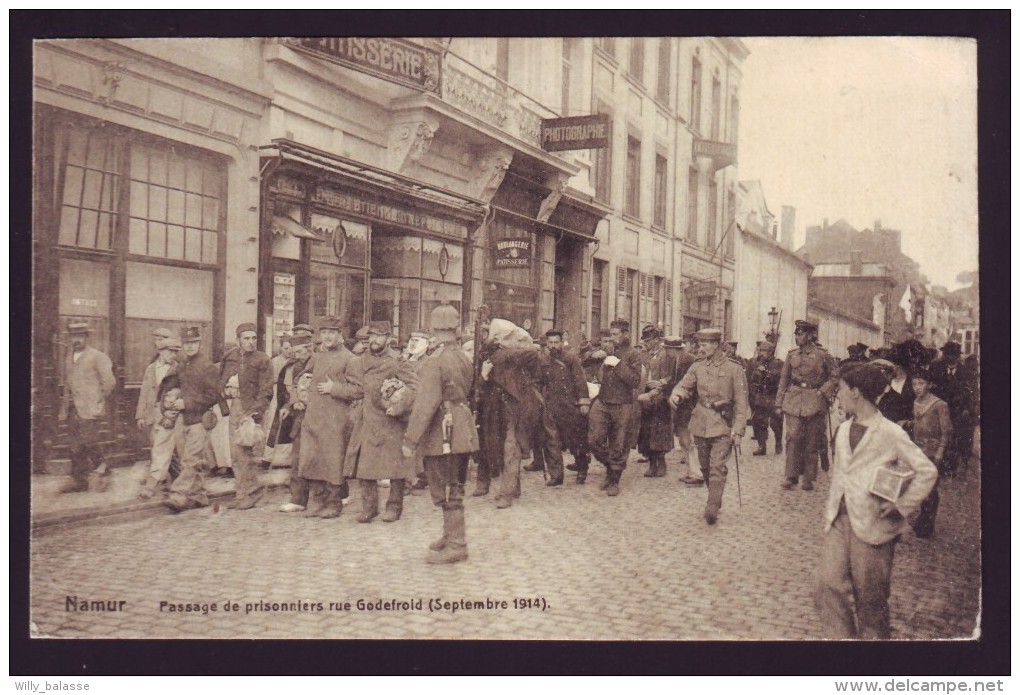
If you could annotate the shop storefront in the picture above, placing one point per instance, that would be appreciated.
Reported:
(342, 238)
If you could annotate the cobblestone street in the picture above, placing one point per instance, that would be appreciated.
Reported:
(641, 566)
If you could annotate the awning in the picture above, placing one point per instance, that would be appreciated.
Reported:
(285, 225)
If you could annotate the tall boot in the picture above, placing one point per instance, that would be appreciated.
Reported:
(715, 494)
(454, 531)
(660, 465)
(334, 500)
(369, 500)
(395, 502)
(316, 501)
(613, 488)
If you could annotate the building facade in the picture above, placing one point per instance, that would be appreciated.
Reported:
(838, 328)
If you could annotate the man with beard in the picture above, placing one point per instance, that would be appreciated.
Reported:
(720, 414)
(763, 374)
(442, 428)
(198, 381)
(324, 431)
(254, 374)
(565, 392)
(655, 437)
(807, 386)
(373, 453)
(611, 417)
(89, 382)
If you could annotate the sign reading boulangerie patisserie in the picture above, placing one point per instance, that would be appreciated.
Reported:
(576, 133)
(396, 60)
(511, 253)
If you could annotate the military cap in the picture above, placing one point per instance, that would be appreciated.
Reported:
(299, 340)
(673, 341)
(732, 343)
(191, 334)
(170, 343)
(303, 327)
(860, 348)
(952, 348)
(162, 332)
(444, 318)
(330, 323)
(420, 334)
(802, 326)
(712, 335)
(362, 333)
(78, 326)
(379, 328)
(650, 332)
(622, 324)
(248, 326)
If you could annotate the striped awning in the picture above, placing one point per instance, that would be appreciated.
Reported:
(285, 225)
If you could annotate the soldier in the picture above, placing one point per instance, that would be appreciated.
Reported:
(373, 453)
(763, 373)
(611, 416)
(255, 390)
(325, 429)
(198, 381)
(442, 427)
(655, 438)
(720, 414)
(730, 348)
(856, 354)
(89, 382)
(808, 384)
(565, 392)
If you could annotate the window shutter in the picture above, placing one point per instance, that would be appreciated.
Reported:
(621, 280)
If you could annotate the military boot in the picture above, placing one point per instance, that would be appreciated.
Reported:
(715, 494)
(613, 489)
(316, 503)
(369, 500)
(334, 504)
(454, 532)
(760, 451)
(395, 502)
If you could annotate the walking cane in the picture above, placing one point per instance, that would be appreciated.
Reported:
(736, 461)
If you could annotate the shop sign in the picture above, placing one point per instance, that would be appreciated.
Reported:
(389, 213)
(394, 60)
(576, 133)
(511, 253)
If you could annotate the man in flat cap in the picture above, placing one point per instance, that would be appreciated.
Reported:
(655, 437)
(806, 388)
(611, 418)
(956, 384)
(720, 414)
(286, 428)
(565, 392)
(150, 415)
(89, 381)
(254, 373)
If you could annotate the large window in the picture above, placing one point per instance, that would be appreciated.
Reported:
(598, 279)
(730, 222)
(696, 94)
(659, 216)
(632, 203)
(734, 117)
(567, 82)
(692, 205)
(602, 165)
(89, 171)
(664, 75)
(651, 299)
(175, 205)
(636, 66)
(716, 108)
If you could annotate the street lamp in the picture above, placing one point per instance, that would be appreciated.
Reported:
(773, 334)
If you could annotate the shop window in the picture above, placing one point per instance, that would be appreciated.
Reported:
(88, 168)
(337, 292)
(659, 215)
(632, 203)
(174, 206)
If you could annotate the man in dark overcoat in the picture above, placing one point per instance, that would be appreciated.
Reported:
(655, 437)
(763, 374)
(956, 383)
(565, 392)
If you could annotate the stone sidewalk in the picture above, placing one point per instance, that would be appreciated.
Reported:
(580, 565)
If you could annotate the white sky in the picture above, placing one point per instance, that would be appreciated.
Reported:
(868, 129)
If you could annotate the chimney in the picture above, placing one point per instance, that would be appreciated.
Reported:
(856, 262)
(788, 220)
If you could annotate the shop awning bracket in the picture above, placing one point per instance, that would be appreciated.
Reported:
(285, 225)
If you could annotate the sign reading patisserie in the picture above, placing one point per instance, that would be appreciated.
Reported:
(395, 60)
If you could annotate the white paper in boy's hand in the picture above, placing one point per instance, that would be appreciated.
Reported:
(611, 361)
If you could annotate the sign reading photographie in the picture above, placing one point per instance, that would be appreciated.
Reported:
(576, 133)
(395, 60)
(511, 253)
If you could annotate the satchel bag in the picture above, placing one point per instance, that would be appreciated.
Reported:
(249, 432)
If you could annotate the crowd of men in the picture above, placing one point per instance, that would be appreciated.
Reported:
(351, 417)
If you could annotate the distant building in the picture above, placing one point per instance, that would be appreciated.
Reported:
(838, 328)
(862, 290)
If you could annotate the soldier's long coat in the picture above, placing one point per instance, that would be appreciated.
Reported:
(374, 449)
(324, 430)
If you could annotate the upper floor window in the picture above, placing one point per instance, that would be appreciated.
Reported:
(659, 214)
(692, 205)
(636, 67)
(602, 161)
(665, 70)
(716, 107)
(503, 58)
(696, 94)
(734, 117)
(632, 203)
(567, 82)
(608, 44)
